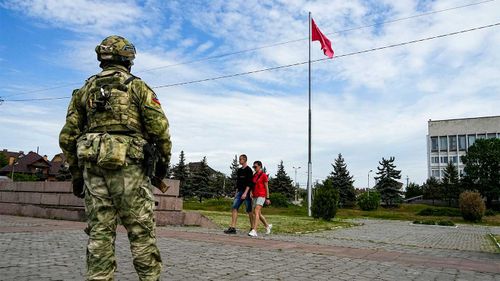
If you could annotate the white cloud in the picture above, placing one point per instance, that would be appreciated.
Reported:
(366, 106)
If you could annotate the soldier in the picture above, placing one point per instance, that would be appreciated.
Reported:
(112, 122)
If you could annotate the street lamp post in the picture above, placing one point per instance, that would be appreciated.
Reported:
(296, 185)
(368, 188)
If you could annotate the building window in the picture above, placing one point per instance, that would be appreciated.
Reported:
(481, 136)
(492, 135)
(434, 144)
(444, 159)
(462, 142)
(454, 159)
(472, 140)
(435, 173)
(453, 142)
(435, 159)
(443, 143)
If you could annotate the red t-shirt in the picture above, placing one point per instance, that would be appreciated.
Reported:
(260, 179)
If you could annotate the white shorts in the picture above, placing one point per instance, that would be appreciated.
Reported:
(259, 201)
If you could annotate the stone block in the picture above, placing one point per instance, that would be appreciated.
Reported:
(172, 191)
(58, 186)
(33, 211)
(36, 186)
(197, 219)
(50, 199)
(10, 209)
(166, 203)
(6, 185)
(66, 214)
(70, 200)
(169, 218)
(9, 196)
(30, 197)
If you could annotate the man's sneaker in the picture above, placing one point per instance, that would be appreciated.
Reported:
(230, 230)
(268, 229)
(252, 233)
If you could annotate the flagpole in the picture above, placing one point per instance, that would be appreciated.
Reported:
(309, 163)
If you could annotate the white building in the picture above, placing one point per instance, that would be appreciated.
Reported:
(447, 140)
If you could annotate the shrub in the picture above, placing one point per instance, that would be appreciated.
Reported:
(417, 222)
(278, 200)
(369, 201)
(472, 206)
(446, 223)
(325, 203)
(489, 213)
(447, 212)
(429, 222)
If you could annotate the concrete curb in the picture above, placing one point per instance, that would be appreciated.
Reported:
(495, 240)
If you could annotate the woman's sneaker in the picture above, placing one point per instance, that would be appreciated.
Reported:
(252, 233)
(268, 229)
(230, 230)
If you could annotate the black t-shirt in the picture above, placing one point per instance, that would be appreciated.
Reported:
(244, 178)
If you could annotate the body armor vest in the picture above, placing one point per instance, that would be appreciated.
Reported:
(109, 104)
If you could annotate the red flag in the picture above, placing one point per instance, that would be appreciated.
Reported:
(326, 45)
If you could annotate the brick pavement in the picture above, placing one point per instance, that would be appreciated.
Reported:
(37, 249)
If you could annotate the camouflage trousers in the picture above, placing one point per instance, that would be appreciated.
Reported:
(123, 194)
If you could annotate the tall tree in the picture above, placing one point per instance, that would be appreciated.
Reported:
(482, 168)
(3, 160)
(387, 186)
(450, 184)
(235, 165)
(200, 181)
(432, 189)
(343, 182)
(181, 172)
(413, 190)
(282, 183)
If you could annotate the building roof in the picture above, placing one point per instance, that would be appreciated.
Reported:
(467, 118)
(195, 166)
(9, 154)
(56, 163)
(23, 164)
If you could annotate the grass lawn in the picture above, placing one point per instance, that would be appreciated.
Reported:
(294, 217)
(281, 223)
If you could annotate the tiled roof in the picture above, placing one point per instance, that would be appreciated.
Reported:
(23, 163)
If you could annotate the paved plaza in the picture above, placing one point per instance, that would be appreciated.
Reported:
(39, 249)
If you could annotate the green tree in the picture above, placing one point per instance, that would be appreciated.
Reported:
(482, 168)
(234, 175)
(181, 172)
(432, 189)
(217, 183)
(343, 182)
(63, 174)
(387, 186)
(325, 202)
(450, 185)
(413, 190)
(3, 160)
(200, 181)
(282, 183)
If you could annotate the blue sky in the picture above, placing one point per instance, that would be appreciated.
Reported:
(366, 107)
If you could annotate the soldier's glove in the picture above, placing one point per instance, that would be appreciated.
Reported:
(160, 174)
(78, 185)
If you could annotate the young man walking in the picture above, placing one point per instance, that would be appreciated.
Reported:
(243, 184)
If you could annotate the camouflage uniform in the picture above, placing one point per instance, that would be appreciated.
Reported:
(108, 122)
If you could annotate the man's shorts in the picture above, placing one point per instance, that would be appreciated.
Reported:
(238, 201)
(259, 201)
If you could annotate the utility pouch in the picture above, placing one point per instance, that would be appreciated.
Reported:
(87, 147)
(113, 152)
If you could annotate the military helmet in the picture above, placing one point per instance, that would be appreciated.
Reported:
(115, 48)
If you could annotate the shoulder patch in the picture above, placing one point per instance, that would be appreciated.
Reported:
(155, 99)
